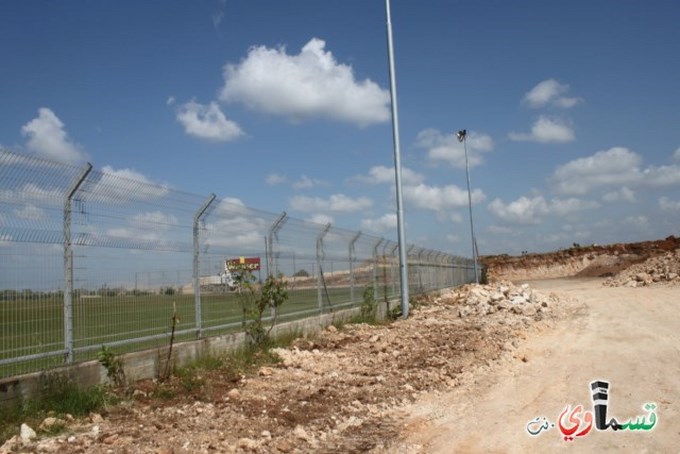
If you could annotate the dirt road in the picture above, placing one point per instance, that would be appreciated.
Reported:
(629, 337)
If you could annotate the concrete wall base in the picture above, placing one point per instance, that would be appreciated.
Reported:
(153, 362)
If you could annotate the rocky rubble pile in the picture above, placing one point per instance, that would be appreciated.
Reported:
(503, 297)
(337, 391)
(660, 269)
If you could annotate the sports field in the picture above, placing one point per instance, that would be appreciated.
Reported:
(36, 326)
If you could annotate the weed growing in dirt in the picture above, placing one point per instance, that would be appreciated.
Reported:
(201, 379)
(255, 300)
(369, 308)
(112, 364)
(58, 396)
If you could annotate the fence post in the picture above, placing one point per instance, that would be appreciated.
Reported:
(375, 269)
(383, 265)
(409, 255)
(441, 269)
(422, 270)
(351, 266)
(272, 266)
(393, 268)
(68, 264)
(196, 278)
(320, 255)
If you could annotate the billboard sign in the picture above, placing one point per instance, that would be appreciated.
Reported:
(243, 264)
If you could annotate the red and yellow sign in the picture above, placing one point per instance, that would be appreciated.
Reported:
(243, 264)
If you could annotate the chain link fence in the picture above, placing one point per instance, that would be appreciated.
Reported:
(104, 257)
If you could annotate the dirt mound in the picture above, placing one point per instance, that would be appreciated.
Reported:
(655, 270)
(339, 391)
(586, 261)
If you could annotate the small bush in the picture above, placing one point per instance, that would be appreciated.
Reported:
(255, 300)
(112, 364)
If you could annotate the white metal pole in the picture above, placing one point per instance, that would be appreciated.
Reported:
(472, 229)
(403, 276)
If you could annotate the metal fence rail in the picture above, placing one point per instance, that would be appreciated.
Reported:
(102, 257)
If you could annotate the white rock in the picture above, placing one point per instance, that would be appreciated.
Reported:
(265, 371)
(301, 433)
(26, 433)
(518, 300)
(247, 444)
(496, 297)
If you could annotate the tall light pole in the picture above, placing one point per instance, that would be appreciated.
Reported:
(462, 136)
(403, 275)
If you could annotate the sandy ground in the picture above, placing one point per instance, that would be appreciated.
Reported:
(629, 337)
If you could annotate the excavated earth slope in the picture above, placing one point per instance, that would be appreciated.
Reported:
(590, 261)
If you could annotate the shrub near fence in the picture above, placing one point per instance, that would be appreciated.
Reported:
(100, 257)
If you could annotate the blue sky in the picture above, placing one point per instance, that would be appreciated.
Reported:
(572, 109)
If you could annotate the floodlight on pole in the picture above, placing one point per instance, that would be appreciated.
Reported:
(403, 275)
(462, 136)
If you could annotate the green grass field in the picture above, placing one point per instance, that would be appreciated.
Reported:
(36, 326)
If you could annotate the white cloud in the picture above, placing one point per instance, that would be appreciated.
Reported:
(320, 218)
(676, 154)
(231, 207)
(6, 240)
(451, 238)
(616, 166)
(160, 220)
(31, 192)
(550, 91)
(498, 229)
(338, 203)
(546, 130)
(217, 19)
(30, 212)
(623, 194)
(241, 232)
(667, 204)
(310, 84)
(385, 175)
(170, 101)
(382, 224)
(150, 226)
(232, 224)
(440, 198)
(113, 185)
(274, 179)
(207, 122)
(47, 138)
(306, 182)
(638, 222)
(526, 210)
(661, 176)
(447, 148)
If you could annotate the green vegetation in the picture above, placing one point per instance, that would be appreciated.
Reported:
(58, 396)
(112, 364)
(31, 322)
(255, 300)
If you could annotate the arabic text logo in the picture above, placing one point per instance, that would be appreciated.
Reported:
(576, 422)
